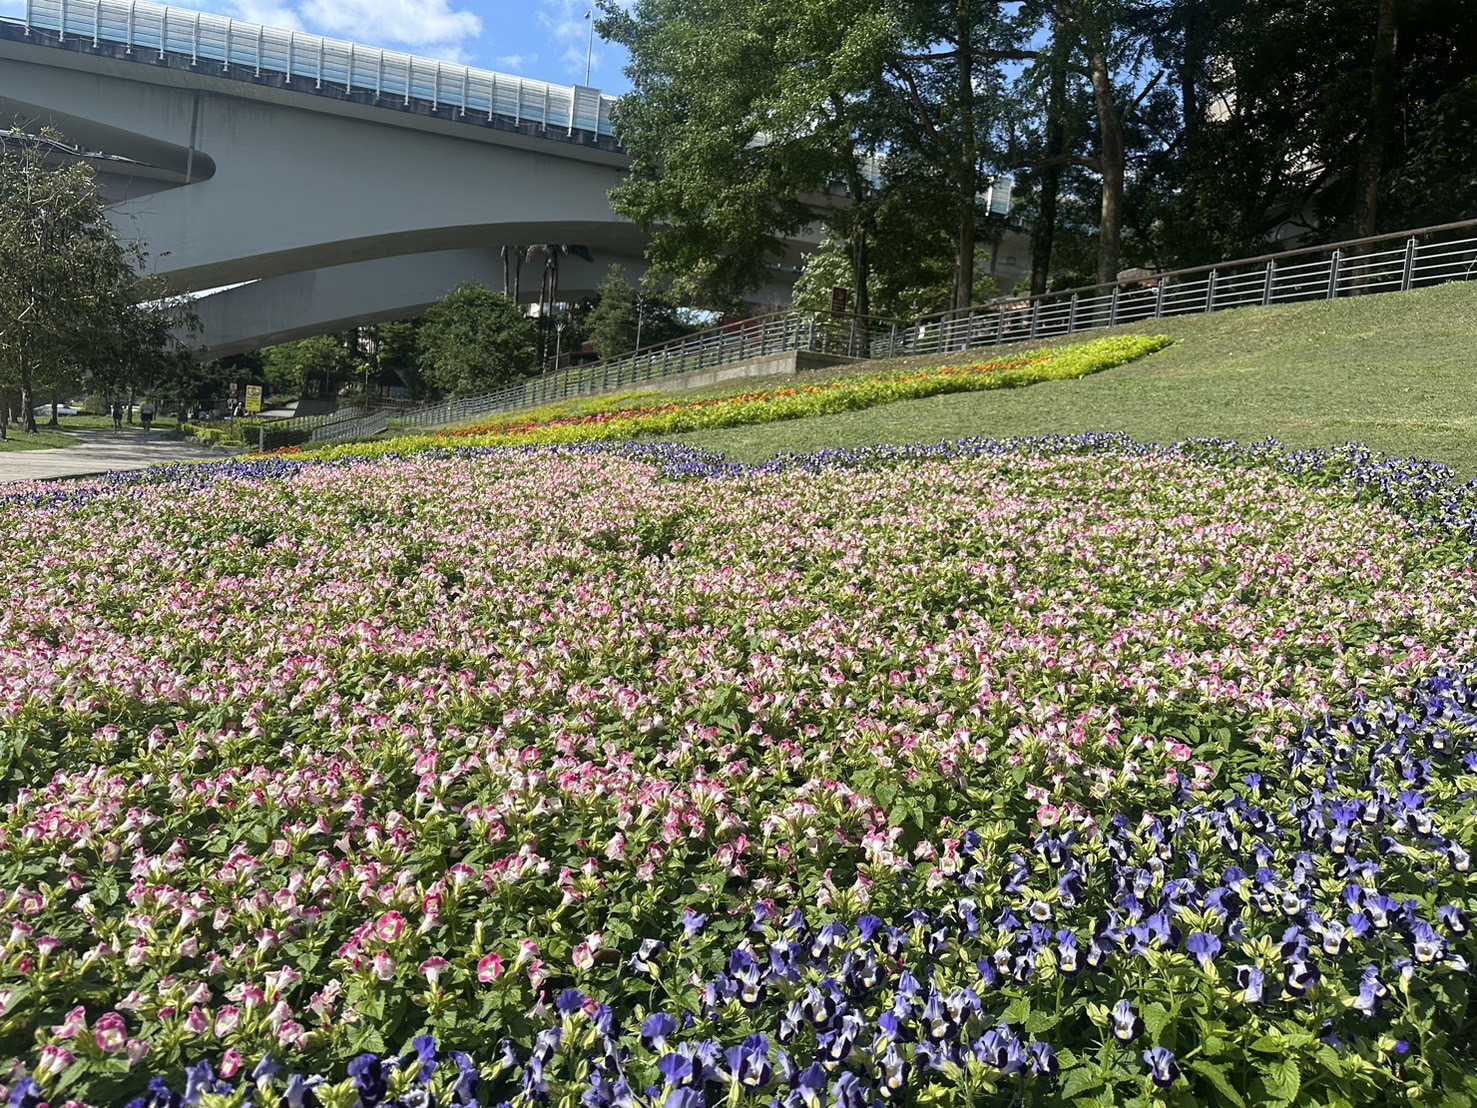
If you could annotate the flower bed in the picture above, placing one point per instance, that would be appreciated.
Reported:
(799, 401)
(316, 759)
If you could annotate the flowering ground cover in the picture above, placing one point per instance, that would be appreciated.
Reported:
(1068, 772)
(624, 417)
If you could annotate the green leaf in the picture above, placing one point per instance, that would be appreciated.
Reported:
(1216, 1075)
(1079, 1080)
(1156, 1017)
(1282, 1079)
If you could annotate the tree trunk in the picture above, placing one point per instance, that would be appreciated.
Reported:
(861, 269)
(968, 171)
(1043, 235)
(28, 401)
(507, 274)
(1113, 162)
(517, 270)
(1381, 120)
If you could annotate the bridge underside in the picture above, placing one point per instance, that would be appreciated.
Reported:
(323, 211)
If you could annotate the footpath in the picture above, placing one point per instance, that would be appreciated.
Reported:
(102, 451)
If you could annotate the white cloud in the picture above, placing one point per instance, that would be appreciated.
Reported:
(269, 13)
(415, 23)
(565, 22)
(515, 63)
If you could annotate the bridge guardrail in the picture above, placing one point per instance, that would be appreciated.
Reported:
(201, 37)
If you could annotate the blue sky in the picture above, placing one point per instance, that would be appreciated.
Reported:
(543, 39)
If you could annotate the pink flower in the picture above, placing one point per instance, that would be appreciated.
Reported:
(111, 1032)
(584, 957)
(1048, 815)
(54, 1059)
(490, 968)
(227, 1020)
(198, 1021)
(74, 1024)
(431, 968)
(231, 1063)
(390, 926)
(290, 1033)
(137, 1048)
(384, 966)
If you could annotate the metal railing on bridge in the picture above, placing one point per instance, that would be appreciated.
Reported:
(328, 63)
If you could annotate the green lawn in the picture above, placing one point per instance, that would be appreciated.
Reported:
(1397, 373)
(55, 438)
(46, 438)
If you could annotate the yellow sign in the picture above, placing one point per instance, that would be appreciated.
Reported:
(253, 398)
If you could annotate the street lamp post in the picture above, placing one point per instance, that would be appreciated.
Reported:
(590, 50)
(558, 338)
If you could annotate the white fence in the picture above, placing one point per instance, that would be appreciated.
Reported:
(215, 41)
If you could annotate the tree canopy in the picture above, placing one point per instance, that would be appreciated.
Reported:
(1159, 132)
(72, 302)
(476, 339)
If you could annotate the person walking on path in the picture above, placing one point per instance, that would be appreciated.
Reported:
(117, 416)
(146, 415)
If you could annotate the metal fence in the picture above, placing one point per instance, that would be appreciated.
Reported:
(742, 341)
(1387, 263)
(1360, 267)
(359, 427)
(212, 40)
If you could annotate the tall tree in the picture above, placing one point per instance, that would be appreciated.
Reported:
(71, 300)
(742, 125)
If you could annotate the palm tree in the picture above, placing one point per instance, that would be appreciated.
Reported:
(552, 251)
(548, 295)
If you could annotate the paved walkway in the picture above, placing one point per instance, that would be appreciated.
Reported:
(101, 451)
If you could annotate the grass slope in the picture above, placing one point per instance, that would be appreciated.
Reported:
(1397, 373)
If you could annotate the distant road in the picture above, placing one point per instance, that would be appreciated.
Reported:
(101, 451)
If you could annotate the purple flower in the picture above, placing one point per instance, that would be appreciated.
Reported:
(1204, 946)
(1001, 1048)
(847, 1091)
(464, 1090)
(678, 1069)
(891, 1072)
(369, 1079)
(749, 1064)
(1454, 918)
(1372, 992)
(655, 1029)
(1127, 1025)
(1162, 1066)
(25, 1093)
(1043, 1059)
(1252, 983)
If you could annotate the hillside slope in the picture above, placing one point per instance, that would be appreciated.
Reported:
(1397, 373)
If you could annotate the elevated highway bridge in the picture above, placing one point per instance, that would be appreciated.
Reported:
(320, 184)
